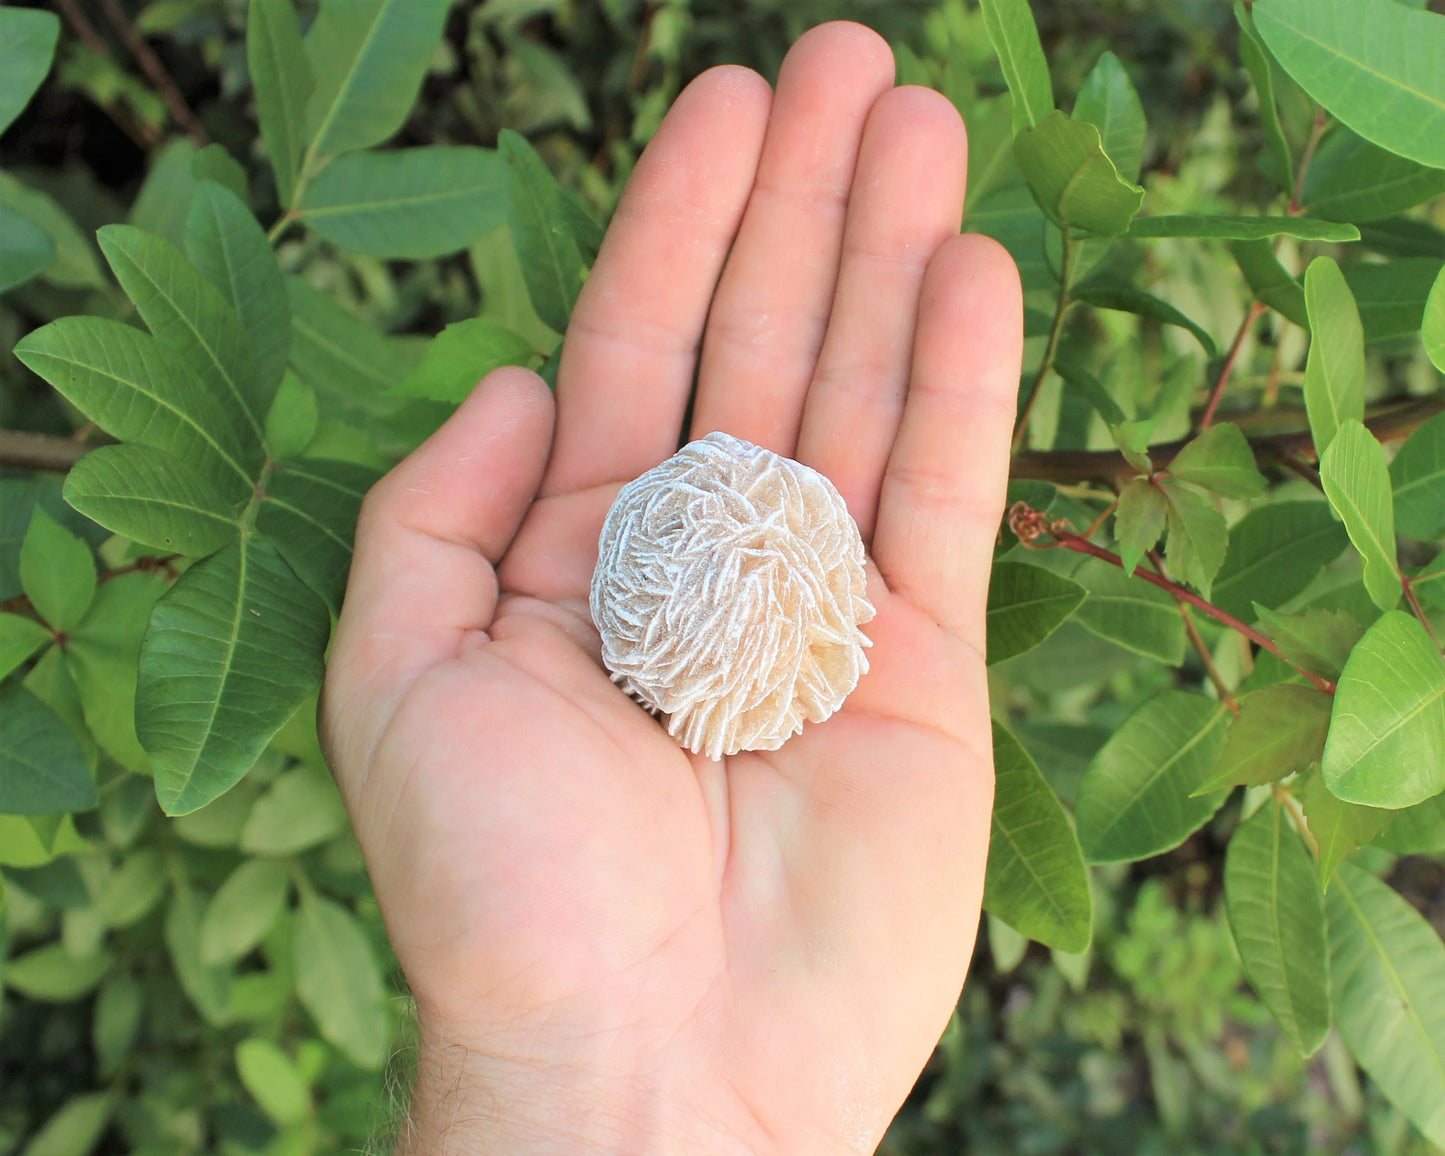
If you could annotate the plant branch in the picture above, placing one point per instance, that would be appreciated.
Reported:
(1031, 395)
(1316, 131)
(35, 451)
(1255, 309)
(1030, 524)
(155, 72)
(1408, 584)
(143, 134)
(1393, 421)
(1292, 461)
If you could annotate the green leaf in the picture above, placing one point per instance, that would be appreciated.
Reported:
(1136, 799)
(1092, 390)
(291, 420)
(213, 163)
(1107, 100)
(1036, 880)
(339, 982)
(19, 639)
(368, 58)
(1198, 536)
(551, 257)
(282, 78)
(160, 207)
(1269, 280)
(120, 378)
(1134, 613)
(228, 247)
(51, 974)
(1350, 179)
(76, 264)
(232, 648)
(76, 1128)
(1387, 974)
(42, 768)
(26, 250)
(243, 910)
(1106, 293)
(1374, 64)
(51, 682)
(1357, 483)
(119, 1007)
(1275, 551)
(57, 571)
(27, 46)
(1256, 60)
(1072, 178)
(300, 809)
(351, 365)
(310, 515)
(133, 888)
(413, 203)
(1143, 511)
(1015, 38)
(1280, 731)
(1219, 460)
(1403, 237)
(1335, 372)
(1241, 228)
(1387, 734)
(219, 822)
(460, 356)
(1429, 585)
(1417, 830)
(1417, 476)
(1319, 640)
(144, 495)
(208, 988)
(273, 1081)
(1338, 827)
(1026, 604)
(192, 322)
(1277, 915)
(1432, 322)
(1391, 295)
(1011, 217)
(103, 653)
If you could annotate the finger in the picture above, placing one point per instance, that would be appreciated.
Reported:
(429, 536)
(943, 490)
(907, 200)
(772, 304)
(631, 346)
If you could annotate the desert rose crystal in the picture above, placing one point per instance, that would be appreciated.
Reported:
(729, 592)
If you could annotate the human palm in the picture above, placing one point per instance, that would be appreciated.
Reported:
(614, 944)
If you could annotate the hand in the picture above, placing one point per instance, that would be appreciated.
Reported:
(614, 945)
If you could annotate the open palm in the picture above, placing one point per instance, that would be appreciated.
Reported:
(614, 944)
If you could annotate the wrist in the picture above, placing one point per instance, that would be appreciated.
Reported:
(469, 1101)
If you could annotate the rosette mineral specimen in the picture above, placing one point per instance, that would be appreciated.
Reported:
(728, 592)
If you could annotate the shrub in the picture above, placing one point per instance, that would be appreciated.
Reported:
(1221, 565)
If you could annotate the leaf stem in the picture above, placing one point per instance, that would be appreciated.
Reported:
(1226, 696)
(1408, 584)
(283, 222)
(1030, 524)
(1255, 309)
(1031, 395)
(1317, 130)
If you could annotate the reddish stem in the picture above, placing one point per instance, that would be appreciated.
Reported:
(1255, 309)
(1409, 587)
(1028, 524)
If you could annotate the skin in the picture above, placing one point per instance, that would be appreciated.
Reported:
(614, 945)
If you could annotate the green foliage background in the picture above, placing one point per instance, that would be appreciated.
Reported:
(243, 269)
